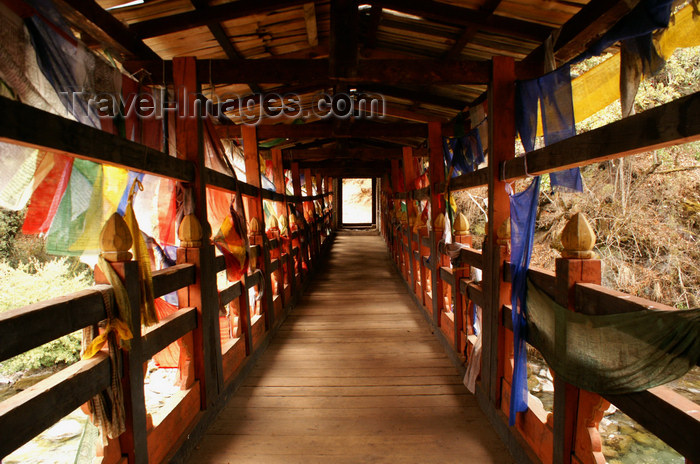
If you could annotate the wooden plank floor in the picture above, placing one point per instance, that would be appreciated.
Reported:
(354, 376)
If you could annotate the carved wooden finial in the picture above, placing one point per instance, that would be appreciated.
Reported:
(190, 232)
(503, 233)
(461, 225)
(254, 227)
(578, 238)
(272, 223)
(439, 222)
(115, 239)
(282, 223)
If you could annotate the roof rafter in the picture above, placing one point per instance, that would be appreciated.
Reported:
(450, 14)
(311, 26)
(101, 25)
(223, 40)
(416, 96)
(217, 13)
(469, 32)
(338, 152)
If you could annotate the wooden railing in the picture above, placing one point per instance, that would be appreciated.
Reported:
(210, 364)
(564, 435)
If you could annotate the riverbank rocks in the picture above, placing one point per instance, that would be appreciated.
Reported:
(63, 430)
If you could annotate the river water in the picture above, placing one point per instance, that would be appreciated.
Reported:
(73, 439)
(624, 441)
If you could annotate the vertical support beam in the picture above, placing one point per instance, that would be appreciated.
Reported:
(309, 215)
(501, 147)
(436, 175)
(281, 210)
(338, 200)
(252, 169)
(134, 440)
(458, 299)
(255, 210)
(308, 180)
(395, 176)
(329, 199)
(296, 186)
(278, 179)
(190, 146)
(318, 226)
(299, 210)
(321, 220)
(409, 178)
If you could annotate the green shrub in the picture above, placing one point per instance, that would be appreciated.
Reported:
(32, 282)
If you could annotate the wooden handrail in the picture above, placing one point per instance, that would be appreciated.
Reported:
(25, 125)
(230, 293)
(671, 123)
(25, 328)
(667, 414)
(31, 411)
(173, 278)
(167, 330)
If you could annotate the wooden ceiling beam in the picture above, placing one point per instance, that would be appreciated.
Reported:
(469, 32)
(223, 39)
(377, 166)
(359, 129)
(344, 52)
(275, 71)
(455, 15)
(410, 115)
(338, 152)
(352, 173)
(415, 95)
(217, 13)
(87, 15)
(311, 25)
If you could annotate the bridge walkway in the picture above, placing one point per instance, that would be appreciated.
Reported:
(353, 376)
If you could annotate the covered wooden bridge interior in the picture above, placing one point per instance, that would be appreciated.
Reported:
(336, 361)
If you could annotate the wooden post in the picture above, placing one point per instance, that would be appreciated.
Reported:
(255, 211)
(329, 200)
(501, 147)
(395, 176)
(319, 189)
(577, 413)
(299, 208)
(461, 235)
(436, 174)
(115, 242)
(204, 295)
(282, 211)
(409, 178)
(190, 236)
(309, 216)
(505, 346)
(338, 203)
